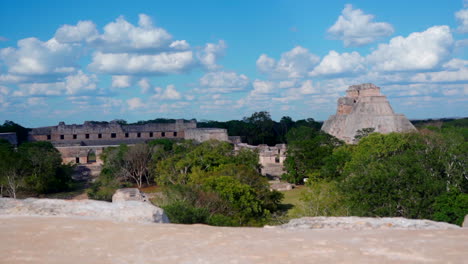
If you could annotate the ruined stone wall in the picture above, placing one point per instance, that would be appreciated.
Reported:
(205, 134)
(10, 137)
(80, 154)
(92, 131)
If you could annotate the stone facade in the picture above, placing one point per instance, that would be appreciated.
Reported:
(10, 137)
(271, 158)
(82, 154)
(83, 144)
(113, 133)
(205, 134)
(364, 107)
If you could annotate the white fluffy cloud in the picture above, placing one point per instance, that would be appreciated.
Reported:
(263, 87)
(460, 75)
(135, 103)
(223, 82)
(211, 53)
(128, 63)
(122, 36)
(335, 63)
(83, 31)
(295, 63)
(121, 81)
(80, 82)
(170, 93)
(180, 45)
(462, 18)
(72, 84)
(419, 51)
(355, 28)
(144, 85)
(455, 64)
(34, 57)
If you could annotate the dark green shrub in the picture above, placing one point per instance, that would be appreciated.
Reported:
(183, 213)
(451, 207)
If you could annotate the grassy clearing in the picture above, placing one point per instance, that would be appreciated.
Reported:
(77, 189)
(292, 197)
(290, 202)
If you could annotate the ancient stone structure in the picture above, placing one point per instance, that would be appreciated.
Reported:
(364, 107)
(205, 134)
(83, 144)
(10, 137)
(129, 194)
(75, 240)
(271, 158)
(124, 211)
(365, 223)
(102, 133)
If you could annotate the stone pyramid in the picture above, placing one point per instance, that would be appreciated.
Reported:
(364, 107)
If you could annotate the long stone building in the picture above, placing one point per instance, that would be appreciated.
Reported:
(364, 107)
(85, 142)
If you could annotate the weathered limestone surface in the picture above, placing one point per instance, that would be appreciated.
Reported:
(129, 194)
(127, 211)
(281, 186)
(205, 134)
(76, 240)
(364, 107)
(365, 223)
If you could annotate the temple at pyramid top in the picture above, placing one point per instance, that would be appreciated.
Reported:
(364, 107)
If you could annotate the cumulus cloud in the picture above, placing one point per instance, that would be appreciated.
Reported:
(223, 82)
(263, 87)
(180, 45)
(121, 81)
(135, 103)
(80, 82)
(295, 63)
(455, 64)
(144, 85)
(83, 31)
(73, 84)
(34, 57)
(122, 36)
(170, 93)
(305, 88)
(129, 64)
(419, 51)
(211, 53)
(460, 75)
(462, 18)
(335, 64)
(355, 28)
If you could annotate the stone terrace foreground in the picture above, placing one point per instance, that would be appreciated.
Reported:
(29, 239)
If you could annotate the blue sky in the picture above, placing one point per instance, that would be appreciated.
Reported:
(101, 60)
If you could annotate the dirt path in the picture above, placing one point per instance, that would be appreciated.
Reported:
(75, 240)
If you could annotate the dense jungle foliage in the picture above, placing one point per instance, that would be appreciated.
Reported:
(34, 168)
(415, 175)
(202, 183)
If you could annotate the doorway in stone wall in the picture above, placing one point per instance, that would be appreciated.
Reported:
(91, 156)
